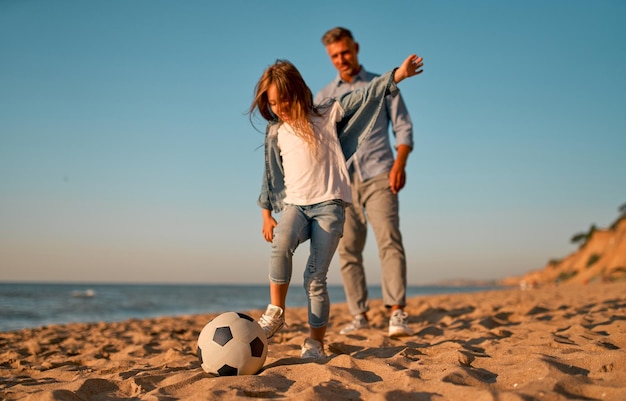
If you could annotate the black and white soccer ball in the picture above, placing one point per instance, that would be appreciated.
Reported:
(232, 344)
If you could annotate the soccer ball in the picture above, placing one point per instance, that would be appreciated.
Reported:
(232, 344)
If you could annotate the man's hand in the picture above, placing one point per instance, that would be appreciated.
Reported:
(397, 175)
(410, 67)
(397, 178)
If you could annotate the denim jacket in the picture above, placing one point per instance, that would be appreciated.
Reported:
(361, 109)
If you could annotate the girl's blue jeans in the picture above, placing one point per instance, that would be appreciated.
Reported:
(322, 223)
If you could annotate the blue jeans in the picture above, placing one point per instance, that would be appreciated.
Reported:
(322, 223)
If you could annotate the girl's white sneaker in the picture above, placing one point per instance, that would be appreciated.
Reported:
(312, 349)
(272, 320)
(398, 324)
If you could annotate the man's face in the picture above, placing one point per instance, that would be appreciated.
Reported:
(344, 56)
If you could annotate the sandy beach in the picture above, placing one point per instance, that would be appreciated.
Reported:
(550, 343)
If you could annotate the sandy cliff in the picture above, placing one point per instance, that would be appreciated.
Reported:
(601, 258)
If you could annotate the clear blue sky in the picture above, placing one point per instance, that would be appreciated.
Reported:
(126, 154)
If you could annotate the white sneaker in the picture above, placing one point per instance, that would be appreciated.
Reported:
(272, 320)
(312, 349)
(359, 322)
(398, 324)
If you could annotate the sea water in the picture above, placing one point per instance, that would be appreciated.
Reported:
(29, 305)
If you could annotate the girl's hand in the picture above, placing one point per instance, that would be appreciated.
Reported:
(268, 225)
(410, 67)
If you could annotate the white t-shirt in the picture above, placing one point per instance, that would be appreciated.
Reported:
(310, 179)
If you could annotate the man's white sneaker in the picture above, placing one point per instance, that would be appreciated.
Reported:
(398, 324)
(359, 322)
(272, 320)
(312, 349)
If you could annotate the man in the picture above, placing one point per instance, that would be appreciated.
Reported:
(376, 178)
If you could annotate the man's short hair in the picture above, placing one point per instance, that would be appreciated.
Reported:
(335, 35)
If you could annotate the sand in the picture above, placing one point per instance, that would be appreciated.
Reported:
(552, 343)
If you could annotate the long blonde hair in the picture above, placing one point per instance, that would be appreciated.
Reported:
(291, 89)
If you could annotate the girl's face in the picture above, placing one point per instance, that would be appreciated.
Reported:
(279, 106)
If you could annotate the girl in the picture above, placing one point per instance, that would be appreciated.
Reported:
(306, 179)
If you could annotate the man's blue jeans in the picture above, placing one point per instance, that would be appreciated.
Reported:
(322, 223)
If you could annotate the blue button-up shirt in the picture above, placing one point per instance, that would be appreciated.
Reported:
(375, 156)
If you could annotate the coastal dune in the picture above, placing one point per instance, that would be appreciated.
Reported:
(548, 343)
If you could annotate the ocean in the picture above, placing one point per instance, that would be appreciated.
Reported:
(29, 305)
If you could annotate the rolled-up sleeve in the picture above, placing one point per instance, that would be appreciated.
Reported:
(401, 123)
